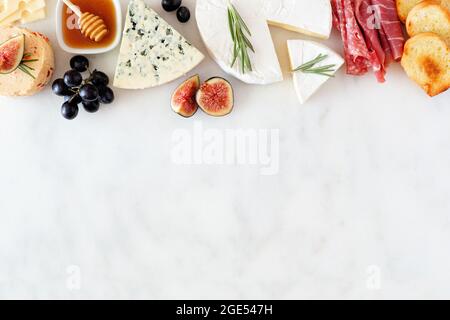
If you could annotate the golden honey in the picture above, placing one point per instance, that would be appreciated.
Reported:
(72, 35)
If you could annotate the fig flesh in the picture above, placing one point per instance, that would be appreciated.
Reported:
(216, 97)
(11, 54)
(183, 99)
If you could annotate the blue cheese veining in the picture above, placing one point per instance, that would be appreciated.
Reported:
(152, 52)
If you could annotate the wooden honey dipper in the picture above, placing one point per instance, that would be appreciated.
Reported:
(92, 26)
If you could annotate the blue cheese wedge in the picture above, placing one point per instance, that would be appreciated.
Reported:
(152, 51)
(301, 52)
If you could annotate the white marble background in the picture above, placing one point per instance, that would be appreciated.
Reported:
(95, 208)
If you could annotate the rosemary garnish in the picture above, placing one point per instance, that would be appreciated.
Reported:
(308, 67)
(31, 60)
(26, 68)
(240, 34)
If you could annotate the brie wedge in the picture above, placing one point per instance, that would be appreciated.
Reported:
(301, 52)
(152, 51)
(312, 17)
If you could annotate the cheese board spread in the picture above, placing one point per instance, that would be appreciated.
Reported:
(373, 35)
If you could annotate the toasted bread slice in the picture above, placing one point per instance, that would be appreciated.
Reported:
(445, 4)
(426, 60)
(428, 16)
(405, 6)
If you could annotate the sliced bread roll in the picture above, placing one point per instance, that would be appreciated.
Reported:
(37, 47)
(428, 16)
(405, 6)
(445, 4)
(426, 60)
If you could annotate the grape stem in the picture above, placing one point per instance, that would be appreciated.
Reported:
(85, 81)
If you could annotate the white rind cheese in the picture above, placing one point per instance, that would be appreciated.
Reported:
(152, 52)
(312, 17)
(302, 51)
(212, 21)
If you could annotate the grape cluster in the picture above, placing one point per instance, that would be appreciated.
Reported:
(90, 92)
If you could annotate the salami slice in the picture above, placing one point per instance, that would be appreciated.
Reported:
(355, 49)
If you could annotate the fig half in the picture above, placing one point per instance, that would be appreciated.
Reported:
(183, 99)
(11, 54)
(216, 97)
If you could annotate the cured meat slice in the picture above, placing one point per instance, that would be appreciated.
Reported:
(367, 19)
(371, 32)
(336, 22)
(355, 39)
(386, 47)
(355, 49)
(391, 26)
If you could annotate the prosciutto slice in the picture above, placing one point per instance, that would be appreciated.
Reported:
(386, 48)
(371, 32)
(391, 26)
(367, 19)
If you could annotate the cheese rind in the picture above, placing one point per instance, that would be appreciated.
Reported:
(152, 52)
(313, 17)
(302, 51)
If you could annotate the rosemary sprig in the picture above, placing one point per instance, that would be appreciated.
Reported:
(23, 68)
(26, 68)
(308, 67)
(31, 60)
(240, 34)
